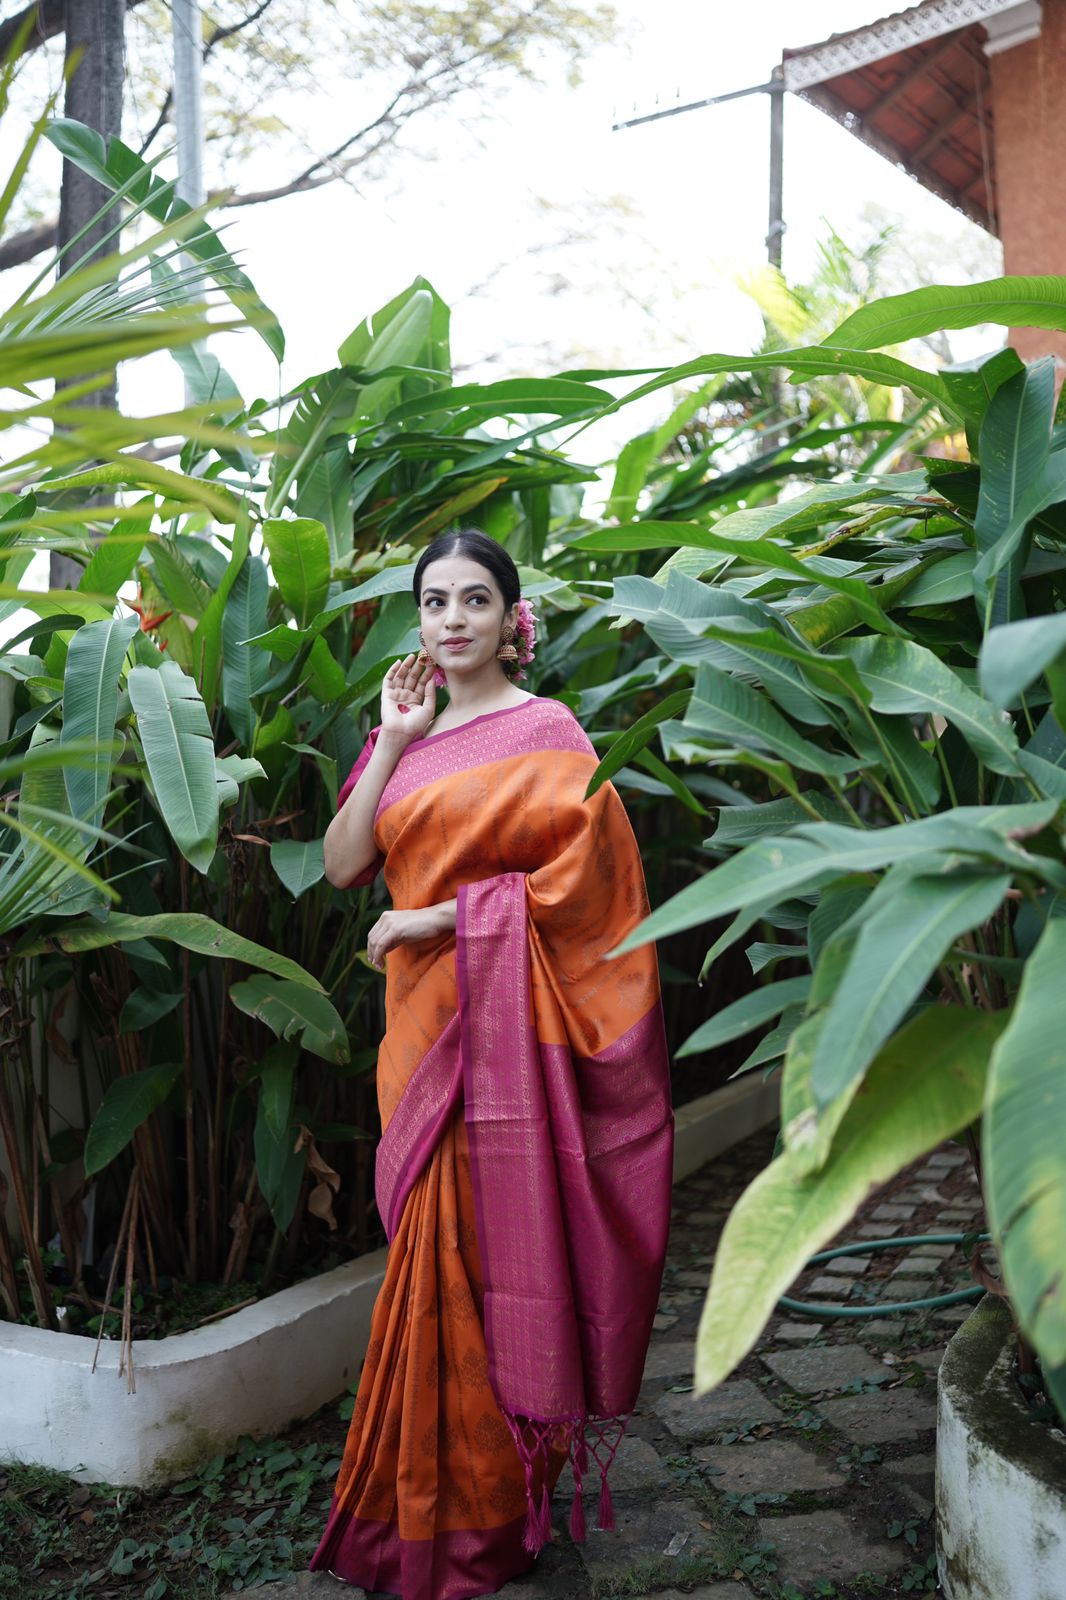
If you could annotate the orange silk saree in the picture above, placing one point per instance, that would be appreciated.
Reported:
(523, 1177)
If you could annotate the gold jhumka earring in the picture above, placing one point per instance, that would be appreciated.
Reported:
(507, 651)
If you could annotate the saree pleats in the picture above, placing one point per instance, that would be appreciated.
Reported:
(430, 1501)
(523, 1176)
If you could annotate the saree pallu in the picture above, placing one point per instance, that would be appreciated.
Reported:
(523, 1176)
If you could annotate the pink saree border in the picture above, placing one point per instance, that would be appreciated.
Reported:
(416, 1126)
(546, 725)
(571, 1161)
(373, 1555)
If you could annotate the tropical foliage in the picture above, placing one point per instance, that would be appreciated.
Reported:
(888, 653)
(864, 681)
(245, 584)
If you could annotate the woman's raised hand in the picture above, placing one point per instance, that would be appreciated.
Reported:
(408, 697)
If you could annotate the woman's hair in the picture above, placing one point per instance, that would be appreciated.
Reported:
(471, 542)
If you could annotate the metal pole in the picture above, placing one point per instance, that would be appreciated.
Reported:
(187, 39)
(187, 35)
(692, 105)
(776, 223)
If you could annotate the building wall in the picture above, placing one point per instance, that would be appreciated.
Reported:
(1029, 98)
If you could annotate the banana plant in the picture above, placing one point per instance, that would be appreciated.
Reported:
(888, 655)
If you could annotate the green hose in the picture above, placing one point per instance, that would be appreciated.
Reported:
(807, 1308)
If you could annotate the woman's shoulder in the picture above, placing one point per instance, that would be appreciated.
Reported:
(553, 710)
(558, 722)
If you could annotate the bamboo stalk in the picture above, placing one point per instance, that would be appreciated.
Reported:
(148, 1150)
(35, 1168)
(126, 1352)
(191, 1251)
(113, 1274)
(9, 1288)
(67, 1237)
(42, 1300)
(227, 1311)
(242, 1232)
(215, 1121)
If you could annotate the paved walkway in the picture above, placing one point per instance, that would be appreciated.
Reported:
(810, 1472)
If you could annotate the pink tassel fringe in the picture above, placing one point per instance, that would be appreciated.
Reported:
(606, 1503)
(587, 1437)
(577, 1518)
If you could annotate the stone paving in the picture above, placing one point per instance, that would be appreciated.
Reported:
(810, 1471)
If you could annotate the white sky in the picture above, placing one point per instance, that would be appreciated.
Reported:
(482, 192)
(653, 285)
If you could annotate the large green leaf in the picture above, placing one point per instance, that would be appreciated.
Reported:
(175, 734)
(1012, 302)
(899, 946)
(742, 824)
(115, 557)
(394, 632)
(561, 396)
(926, 1084)
(324, 492)
(145, 1006)
(764, 552)
(292, 1010)
(1013, 655)
(735, 713)
(807, 362)
(893, 745)
(1014, 444)
(971, 384)
(762, 875)
(186, 928)
(631, 740)
(127, 1103)
(777, 869)
(178, 579)
(1024, 1157)
(119, 169)
(90, 706)
(322, 406)
(130, 471)
(231, 772)
(208, 636)
(49, 873)
(394, 337)
(298, 862)
(299, 560)
(244, 671)
(745, 1014)
(279, 1166)
(904, 677)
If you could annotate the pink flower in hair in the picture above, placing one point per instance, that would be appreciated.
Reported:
(525, 627)
(525, 636)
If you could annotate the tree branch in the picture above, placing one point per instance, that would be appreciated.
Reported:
(22, 247)
(220, 33)
(420, 91)
(49, 18)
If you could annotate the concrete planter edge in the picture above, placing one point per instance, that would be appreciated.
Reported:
(255, 1372)
(1000, 1478)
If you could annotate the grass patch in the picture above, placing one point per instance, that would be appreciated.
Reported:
(241, 1519)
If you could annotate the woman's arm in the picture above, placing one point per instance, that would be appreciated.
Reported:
(408, 703)
(408, 927)
(349, 847)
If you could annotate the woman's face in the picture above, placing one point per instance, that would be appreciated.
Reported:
(461, 600)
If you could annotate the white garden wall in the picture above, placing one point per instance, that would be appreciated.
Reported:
(253, 1372)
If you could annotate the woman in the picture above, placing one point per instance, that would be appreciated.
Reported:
(523, 1177)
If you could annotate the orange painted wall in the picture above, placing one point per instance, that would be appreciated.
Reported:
(1029, 99)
